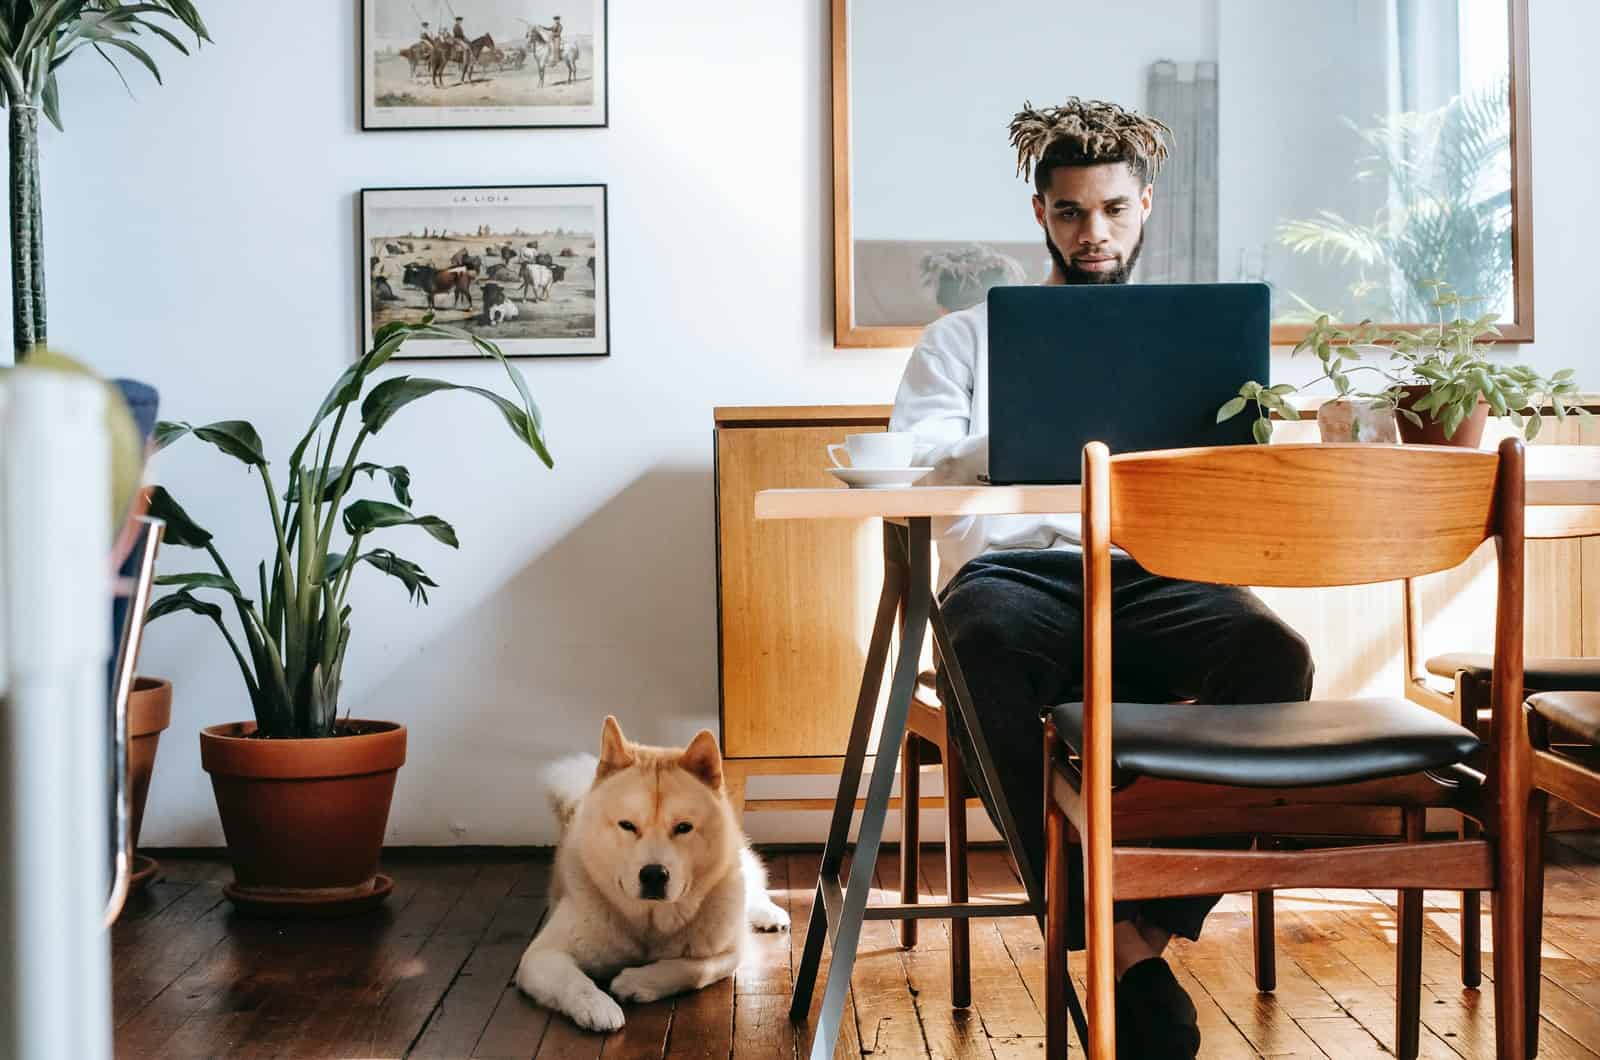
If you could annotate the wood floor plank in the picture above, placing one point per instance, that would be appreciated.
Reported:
(885, 1011)
(515, 1028)
(803, 869)
(947, 1032)
(149, 900)
(1007, 954)
(644, 1036)
(470, 1001)
(704, 1024)
(350, 1018)
(563, 1040)
(393, 1026)
(765, 967)
(761, 1031)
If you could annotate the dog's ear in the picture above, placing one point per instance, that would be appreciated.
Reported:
(702, 760)
(615, 753)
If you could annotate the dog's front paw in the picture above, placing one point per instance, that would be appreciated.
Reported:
(768, 916)
(595, 1011)
(644, 984)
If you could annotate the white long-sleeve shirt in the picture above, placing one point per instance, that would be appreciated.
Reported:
(944, 400)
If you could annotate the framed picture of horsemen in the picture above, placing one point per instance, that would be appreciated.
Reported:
(523, 266)
(483, 64)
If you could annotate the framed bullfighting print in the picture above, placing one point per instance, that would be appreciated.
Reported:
(523, 266)
(483, 64)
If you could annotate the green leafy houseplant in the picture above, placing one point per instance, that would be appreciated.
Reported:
(297, 626)
(1442, 222)
(1448, 357)
(36, 37)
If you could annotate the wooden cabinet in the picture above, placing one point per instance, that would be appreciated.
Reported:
(795, 599)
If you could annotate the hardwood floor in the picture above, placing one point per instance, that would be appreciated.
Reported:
(429, 975)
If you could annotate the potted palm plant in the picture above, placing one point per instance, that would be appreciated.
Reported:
(36, 37)
(304, 793)
(1440, 381)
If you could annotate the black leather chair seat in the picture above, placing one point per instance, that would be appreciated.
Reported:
(1275, 745)
(1553, 674)
(1574, 712)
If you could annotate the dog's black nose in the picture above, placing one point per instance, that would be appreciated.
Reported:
(653, 881)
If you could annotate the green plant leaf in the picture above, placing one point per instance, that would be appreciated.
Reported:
(1452, 419)
(1262, 430)
(363, 516)
(408, 573)
(51, 101)
(237, 438)
(1412, 416)
(1230, 408)
(203, 580)
(399, 481)
(181, 530)
(1535, 422)
(183, 600)
(392, 395)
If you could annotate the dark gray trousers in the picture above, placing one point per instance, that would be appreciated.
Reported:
(1016, 624)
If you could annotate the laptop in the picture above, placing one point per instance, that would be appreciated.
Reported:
(1137, 366)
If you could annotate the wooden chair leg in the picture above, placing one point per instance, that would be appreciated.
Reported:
(1408, 955)
(1472, 699)
(1538, 818)
(955, 871)
(1263, 929)
(1508, 910)
(910, 840)
(1471, 925)
(1055, 933)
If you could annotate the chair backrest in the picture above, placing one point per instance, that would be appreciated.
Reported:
(1302, 515)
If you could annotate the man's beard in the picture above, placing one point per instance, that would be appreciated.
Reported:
(1075, 275)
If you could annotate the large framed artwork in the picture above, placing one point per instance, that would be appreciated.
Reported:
(483, 64)
(524, 266)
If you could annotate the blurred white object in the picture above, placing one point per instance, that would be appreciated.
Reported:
(55, 593)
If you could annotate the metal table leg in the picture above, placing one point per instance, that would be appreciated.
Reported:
(837, 912)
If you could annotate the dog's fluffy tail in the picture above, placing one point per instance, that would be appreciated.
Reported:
(566, 782)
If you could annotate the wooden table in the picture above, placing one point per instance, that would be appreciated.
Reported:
(1563, 488)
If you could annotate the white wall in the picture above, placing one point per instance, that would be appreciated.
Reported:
(204, 239)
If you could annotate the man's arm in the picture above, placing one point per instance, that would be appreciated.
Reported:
(934, 402)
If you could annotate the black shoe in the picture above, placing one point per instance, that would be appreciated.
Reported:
(1155, 1018)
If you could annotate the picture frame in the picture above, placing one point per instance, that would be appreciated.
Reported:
(512, 65)
(524, 266)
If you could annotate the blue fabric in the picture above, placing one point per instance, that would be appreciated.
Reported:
(144, 402)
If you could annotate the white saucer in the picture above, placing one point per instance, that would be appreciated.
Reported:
(878, 478)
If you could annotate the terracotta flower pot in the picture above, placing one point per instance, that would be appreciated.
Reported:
(1356, 420)
(1467, 435)
(149, 713)
(304, 819)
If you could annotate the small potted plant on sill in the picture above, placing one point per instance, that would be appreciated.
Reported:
(304, 794)
(1443, 372)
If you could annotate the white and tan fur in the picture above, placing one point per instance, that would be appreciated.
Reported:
(643, 820)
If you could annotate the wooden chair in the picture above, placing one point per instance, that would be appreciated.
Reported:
(1315, 515)
(927, 734)
(1572, 772)
(1468, 701)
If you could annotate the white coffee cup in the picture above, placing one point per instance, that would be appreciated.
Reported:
(880, 449)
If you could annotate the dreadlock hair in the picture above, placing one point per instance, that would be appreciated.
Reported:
(1087, 132)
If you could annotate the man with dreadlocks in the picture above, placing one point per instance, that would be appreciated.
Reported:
(1012, 586)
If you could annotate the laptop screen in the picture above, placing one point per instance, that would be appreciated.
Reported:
(1136, 366)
